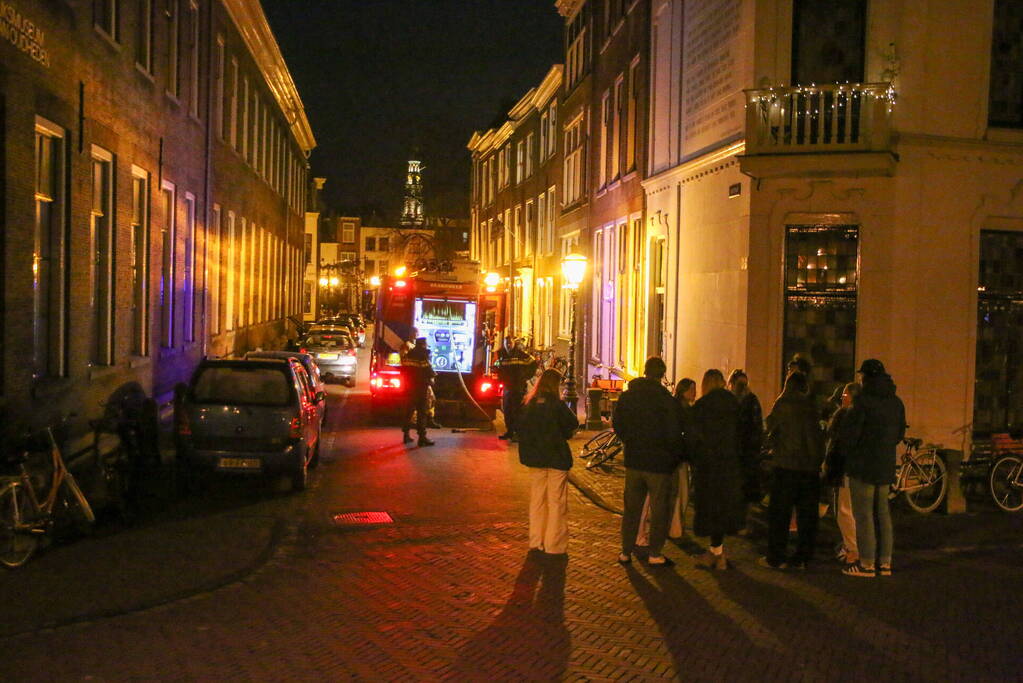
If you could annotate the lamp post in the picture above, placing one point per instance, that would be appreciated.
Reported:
(573, 268)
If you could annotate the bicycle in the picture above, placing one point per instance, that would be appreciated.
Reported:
(26, 515)
(601, 449)
(1005, 478)
(920, 476)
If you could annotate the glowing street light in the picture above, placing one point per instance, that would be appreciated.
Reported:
(323, 282)
(400, 271)
(573, 268)
(335, 281)
(374, 281)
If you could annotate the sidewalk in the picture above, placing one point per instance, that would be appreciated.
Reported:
(124, 570)
(985, 528)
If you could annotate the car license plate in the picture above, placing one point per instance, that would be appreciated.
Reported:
(240, 464)
(328, 356)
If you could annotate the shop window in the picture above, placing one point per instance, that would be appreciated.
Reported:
(821, 273)
(1005, 99)
(998, 379)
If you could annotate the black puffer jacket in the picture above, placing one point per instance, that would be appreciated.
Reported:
(718, 472)
(794, 432)
(647, 421)
(871, 431)
(545, 426)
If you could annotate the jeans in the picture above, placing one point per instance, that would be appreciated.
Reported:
(844, 516)
(870, 507)
(801, 490)
(638, 484)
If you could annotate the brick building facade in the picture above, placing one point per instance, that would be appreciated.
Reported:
(153, 190)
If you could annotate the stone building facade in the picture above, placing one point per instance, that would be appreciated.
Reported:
(153, 190)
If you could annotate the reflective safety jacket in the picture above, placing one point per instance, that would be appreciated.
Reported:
(417, 369)
(515, 368)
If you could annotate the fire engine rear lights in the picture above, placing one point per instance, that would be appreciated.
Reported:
(400, 283)
(486, 387)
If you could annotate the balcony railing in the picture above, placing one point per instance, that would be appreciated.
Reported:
(819, 118)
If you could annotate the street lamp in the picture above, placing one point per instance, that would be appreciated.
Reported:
(374, 281)
(573, 269)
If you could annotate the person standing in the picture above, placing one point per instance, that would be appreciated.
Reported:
(545, 426)
(798, 446)
(419, 374)
(515, 368)
(869, 435)
(647, 421)
(718, 473)
(751, 433)
(835, 477)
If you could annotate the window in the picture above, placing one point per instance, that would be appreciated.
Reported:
(106, 15)
(578, 48)
(144, 35)
(617, 141)
(383, 244)
(348, 256)
(173, 46)
(193, 58)
(501, 166)
(573, 162)
(49, 259)
(828, 41)
(530, 142)
(308, 248)
(998, 399)
(231, 125)
(371, 244)
(214, 248)
(347, 232)
(230, 254)
(139, 262)
(543, 135)
(520, 162)
(101, 240)
(552, 207)
(552, 121)
(371, 267)
(518, 235)
(1005, 92)
(632, 124)
(167, 275)
(220, 99)
(385, 267)
(530, 226)
(605, 139)
(243, 122)
(820, 301)
(541, 223)
(189, 275)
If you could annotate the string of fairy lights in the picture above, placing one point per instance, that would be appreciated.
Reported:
(772, 96)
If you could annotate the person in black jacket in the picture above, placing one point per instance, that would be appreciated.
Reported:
(869, 435)
(797, 445)
(647, 421)
(751, 432)
(834, 476)
(419, 374)
(718, 473)
(545, 426)
(515, 368)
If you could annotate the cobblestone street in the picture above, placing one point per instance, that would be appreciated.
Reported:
(447, 591)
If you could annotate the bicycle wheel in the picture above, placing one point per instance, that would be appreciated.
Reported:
(925, 482)
(596, 443)
(75, 497)
(605, 454)
(16, 545)
(1007, 494)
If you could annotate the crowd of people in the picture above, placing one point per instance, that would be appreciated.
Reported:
(844, 450)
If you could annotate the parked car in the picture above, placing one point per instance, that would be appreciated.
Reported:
(309, 363)
(334, 352)
(249, 416)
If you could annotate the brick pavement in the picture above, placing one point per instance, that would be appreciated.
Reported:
(448, 592)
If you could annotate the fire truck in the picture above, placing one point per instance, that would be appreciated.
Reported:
(459, 316)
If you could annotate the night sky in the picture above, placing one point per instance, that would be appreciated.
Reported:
(379, 77)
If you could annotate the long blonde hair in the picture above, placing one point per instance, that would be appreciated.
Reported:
(549, 383)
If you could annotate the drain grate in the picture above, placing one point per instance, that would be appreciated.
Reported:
(357, 518)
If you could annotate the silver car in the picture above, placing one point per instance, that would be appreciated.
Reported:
(334, 352)
(249, 416)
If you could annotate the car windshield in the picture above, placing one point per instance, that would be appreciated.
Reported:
(237, 385)
(329, 339)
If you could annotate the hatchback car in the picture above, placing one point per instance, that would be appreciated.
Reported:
(249, 416)
(311, 368)
(334, 352)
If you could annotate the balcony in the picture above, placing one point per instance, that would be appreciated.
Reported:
(819, 130)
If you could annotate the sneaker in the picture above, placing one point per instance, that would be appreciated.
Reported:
(405, 438)
(884, 570)
(423, 441)
(660, 561)
(624, 558)
(764, 562)
(857, 569)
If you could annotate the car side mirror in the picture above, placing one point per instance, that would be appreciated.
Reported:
(320, 396)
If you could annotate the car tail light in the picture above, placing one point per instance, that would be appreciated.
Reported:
(301, 350)
(350, 352)
(295, 428)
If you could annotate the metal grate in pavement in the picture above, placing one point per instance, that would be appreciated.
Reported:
(356, 518)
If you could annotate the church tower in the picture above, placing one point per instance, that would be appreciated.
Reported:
(412, 216)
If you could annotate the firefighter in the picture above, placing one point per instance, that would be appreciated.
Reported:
(419, 376)
(515, 368)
